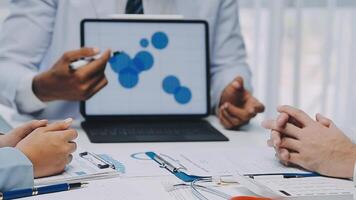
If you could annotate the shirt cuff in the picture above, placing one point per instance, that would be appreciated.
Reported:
(16, 170)
(26, 101)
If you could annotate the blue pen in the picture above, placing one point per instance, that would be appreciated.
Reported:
(15, 194)
(287, 175)
(174, 170)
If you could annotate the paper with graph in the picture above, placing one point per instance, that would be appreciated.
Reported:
(85, 168)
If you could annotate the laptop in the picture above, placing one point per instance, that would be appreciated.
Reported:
(158, 76)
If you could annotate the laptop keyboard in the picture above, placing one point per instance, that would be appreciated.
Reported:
(164, 131)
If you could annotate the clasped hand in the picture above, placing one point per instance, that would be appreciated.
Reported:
(316, 145)
(47, 146)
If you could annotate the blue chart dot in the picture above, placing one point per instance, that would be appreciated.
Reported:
(128, 78)
(119, 61)
(183, 95)
(170, 84)
(160, 40)
(133, 66)
(143, 60)
(144, 43)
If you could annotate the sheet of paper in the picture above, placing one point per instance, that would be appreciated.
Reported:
(115, 189)
(309, 188)
(179, 192)
(137, 164)
(81, 169)
(241, 160)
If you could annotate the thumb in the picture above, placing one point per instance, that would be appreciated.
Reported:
(238, 83)
(24, 130)
(235, 88)
(323, 120)
(60, 126)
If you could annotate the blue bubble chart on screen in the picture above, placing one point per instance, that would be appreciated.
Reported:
(170, 84)
(144, 43)
(128, 78)
(143, 60)
(129, 69)
(159, 40)
(183, 95)
(119, 61)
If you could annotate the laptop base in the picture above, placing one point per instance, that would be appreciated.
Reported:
(151, 131)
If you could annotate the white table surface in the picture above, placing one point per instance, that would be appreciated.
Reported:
(149, 188)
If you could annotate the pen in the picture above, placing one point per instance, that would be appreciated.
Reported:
(162, 162)
(15, 194)
(287, 175)
(300, 175)
(82, 62)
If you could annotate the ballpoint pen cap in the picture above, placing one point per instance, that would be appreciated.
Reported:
(77, 185)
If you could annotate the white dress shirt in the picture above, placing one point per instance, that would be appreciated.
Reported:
(38, 32)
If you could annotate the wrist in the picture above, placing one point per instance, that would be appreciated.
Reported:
(2, 141)
(26, 152)
(351, 160)
(38, 89)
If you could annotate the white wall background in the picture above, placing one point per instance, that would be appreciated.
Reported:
(301, 52)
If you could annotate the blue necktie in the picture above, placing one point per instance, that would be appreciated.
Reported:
(134, 7)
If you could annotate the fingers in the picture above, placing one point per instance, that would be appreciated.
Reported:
(240, 113)
(69, 158)
(88, 89)
(72, 147)
(289, 129)
(238, 83)
(37, 124)
(283, 156)
(254, 105)
(94, 68)
(286, 157)
(297, 114)
(234, 121)
(226, 123)
(259, 107)
(71, 56)
(275, 139)
(234, 91)
(27, 128)
(295, 158)
(282, 120)
(58, 126)
(323, 120)
(290, 144)
(97, 87)
(66, 135)
(69, 135)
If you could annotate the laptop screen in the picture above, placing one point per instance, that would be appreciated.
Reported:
(158, 67)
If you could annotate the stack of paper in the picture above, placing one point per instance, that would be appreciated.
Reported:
(84, 169)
